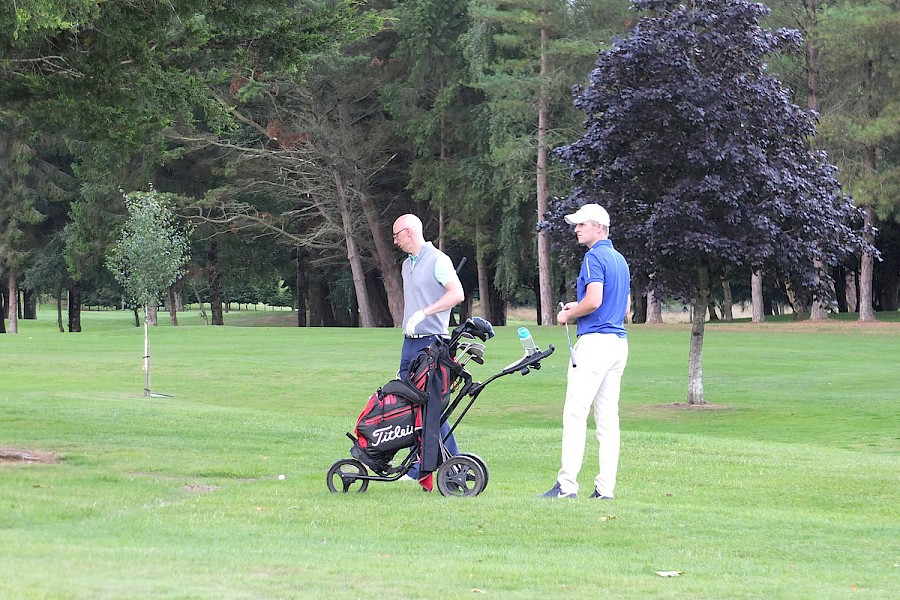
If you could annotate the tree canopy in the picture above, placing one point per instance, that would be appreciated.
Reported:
(152, 249)
(317, 122)
(702, 158)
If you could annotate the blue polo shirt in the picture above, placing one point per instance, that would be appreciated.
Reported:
(603, 263)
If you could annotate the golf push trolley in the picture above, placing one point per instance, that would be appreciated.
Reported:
(407, 415)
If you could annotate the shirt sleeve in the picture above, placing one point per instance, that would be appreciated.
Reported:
(593, 269)
(444, 271)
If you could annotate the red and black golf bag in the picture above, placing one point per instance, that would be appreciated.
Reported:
(407, 413)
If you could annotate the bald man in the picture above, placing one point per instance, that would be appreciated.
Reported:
(431, 288)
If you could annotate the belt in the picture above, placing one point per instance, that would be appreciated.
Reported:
(420, 336)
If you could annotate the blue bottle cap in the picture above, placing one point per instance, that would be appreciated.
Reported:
(523, 333)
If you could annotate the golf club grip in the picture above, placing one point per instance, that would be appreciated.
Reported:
(459, 267)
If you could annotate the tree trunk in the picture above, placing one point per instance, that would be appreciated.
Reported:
(320, 313)
(13, 312)
(536, 290)
(74, 308)
(302, 290)
(728, 302)
(484, 286)
(178, 293)
(818, 310)
(756, 298)
(654, 309)
(867, 269)
(465, 307)
(440, 237)
(356, 267)
(698, 323)
(200, 302)
(545, 280)
(29, 304)
(150, 314)
(796, 304)
(378, 300)
(639, 299)
(59, 319)
(840, 287)
(497, 315)
(851, 290)
(173, 311)
(393, 283)
(812, 55)
(2, 307)
(215, 292)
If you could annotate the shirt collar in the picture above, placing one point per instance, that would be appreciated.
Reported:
(425, 247)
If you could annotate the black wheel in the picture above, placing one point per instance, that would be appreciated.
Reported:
(344, 474)
(481, 464)
(460, 476)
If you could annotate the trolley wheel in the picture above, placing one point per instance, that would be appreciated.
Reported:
(481, 464)
(344, 474)
(460, 476)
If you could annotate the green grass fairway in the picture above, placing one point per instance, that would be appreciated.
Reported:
(786, 487)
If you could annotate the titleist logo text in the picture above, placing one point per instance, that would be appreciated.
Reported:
(386, 434)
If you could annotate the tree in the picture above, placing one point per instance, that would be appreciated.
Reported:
(48, 273)
(30, 183)
(148, 256)
(701, 159)
(523, 55)
(860, 42)
(432, 107)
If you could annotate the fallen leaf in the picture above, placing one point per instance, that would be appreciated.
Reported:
(477, 591)
(609, 518)
(669, 573)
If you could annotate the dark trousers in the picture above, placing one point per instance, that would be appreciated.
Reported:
(412, 347)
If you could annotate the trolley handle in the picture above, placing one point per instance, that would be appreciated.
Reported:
(532, 361)
(522, 366)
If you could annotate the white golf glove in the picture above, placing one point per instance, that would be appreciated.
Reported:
(413, 322)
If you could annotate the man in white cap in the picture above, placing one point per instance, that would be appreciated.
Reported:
(595, 376)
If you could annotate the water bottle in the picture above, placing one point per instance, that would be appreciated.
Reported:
(527, 341)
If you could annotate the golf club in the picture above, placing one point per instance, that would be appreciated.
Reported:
(472, 350)
(569, 339)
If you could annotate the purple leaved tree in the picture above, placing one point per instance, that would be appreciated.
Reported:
(704, 162)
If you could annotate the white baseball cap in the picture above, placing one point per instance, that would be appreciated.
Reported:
(589, 212)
